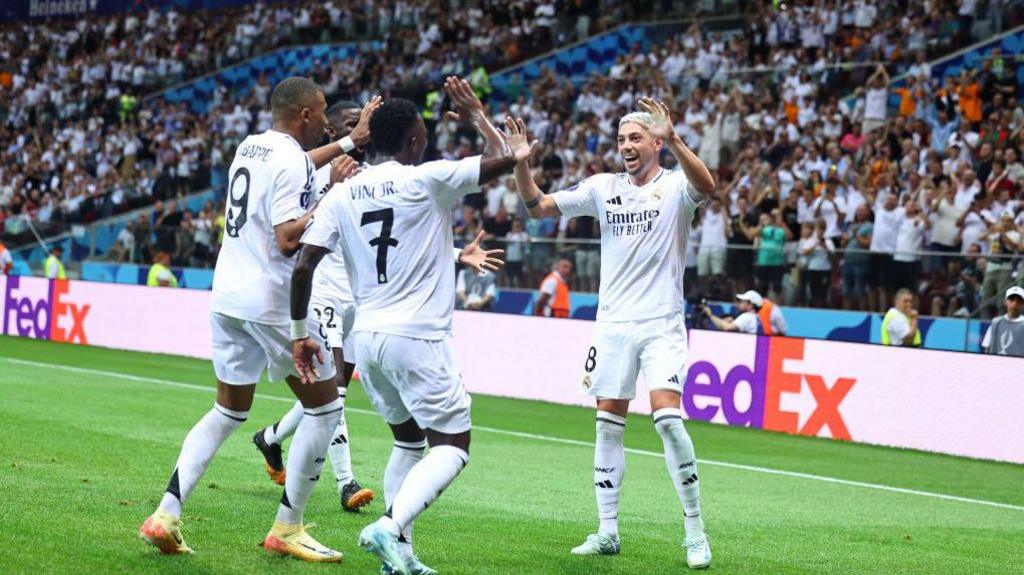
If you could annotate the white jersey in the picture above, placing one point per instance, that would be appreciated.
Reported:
(271, 182)
(393, 223)
(644, 233)
(330, 282)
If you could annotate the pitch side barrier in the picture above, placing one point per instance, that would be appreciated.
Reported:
(947, 402)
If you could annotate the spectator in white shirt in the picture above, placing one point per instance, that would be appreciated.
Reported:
(909, 243)
(816, 268)
(831, 208)
(715, 231)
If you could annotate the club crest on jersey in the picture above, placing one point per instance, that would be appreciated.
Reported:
(586, 381)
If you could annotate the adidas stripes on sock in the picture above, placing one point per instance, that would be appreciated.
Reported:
(277, 433)
(341, 458)
(609, 469)
(199, 447)
(306, 459)
(425, 483)
(682, 466)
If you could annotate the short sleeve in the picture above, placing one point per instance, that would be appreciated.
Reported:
(581, 199)
(986, 342)
(449, 180)
(549, 286)
(747, 323)
(325, 227)
(779, 325)
(898, 329)
(289, 185)
(691, 197)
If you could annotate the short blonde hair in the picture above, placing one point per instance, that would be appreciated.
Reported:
(642, 119)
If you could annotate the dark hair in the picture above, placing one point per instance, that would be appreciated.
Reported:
(334, 110)
(291, 95)
(391, 123)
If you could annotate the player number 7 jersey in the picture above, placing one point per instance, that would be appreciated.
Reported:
(393, 223)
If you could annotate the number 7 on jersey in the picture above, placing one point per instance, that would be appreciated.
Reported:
(382, 242)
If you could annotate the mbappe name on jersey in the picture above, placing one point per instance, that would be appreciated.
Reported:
(255, 151)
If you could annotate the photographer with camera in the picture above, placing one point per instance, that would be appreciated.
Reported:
(757, 316)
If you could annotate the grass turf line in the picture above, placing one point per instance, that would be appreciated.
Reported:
(83, 459)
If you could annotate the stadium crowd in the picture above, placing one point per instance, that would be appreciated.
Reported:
(80, 143)
(826, 195)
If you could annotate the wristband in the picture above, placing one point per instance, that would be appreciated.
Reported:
(346, 144)
(458, 254)
(299, 330)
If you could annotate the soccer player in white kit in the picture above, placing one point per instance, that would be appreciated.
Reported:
(334, 307)
(393, 223)
(270, 191)
(645, 214)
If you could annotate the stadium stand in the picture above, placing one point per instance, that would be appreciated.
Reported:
(786, 105)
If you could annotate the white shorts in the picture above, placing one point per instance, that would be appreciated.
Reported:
(336, 317)
(619, 351)
(406, 377)
(243, 350)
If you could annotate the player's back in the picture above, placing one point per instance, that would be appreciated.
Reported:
(270, 183)
(331, 278)
(395, 225)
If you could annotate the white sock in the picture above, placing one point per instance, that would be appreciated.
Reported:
(199, 447)
(404, 456)
(425, 482)
(277, 433)
(306, 459)
(609, 469)
(341, 458)
(682, 466)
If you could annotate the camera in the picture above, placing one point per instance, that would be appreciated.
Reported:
(696, 314)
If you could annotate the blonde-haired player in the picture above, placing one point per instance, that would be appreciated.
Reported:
(645, 214)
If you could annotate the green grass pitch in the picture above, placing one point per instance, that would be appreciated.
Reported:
(89, 436)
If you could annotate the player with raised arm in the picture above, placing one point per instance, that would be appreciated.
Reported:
(270, 191)
(645, 214)
(333, 305)
(393, 223)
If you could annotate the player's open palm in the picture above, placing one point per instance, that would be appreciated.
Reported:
(463, 98)
(519, 140)
(342, 168)
(304, 352)
(661, 127)
(479, 259)
(361, 133)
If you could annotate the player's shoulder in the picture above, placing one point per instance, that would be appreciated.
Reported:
(596, 181)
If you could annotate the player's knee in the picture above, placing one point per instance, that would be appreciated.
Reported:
(408, 432)
(610, 427)
(669, 424)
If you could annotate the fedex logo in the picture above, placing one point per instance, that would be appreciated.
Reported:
(708, 392)
(48, 317)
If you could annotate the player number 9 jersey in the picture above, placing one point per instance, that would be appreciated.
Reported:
(270, 182)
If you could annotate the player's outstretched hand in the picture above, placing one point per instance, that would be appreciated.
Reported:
(303, 352)
(479, 259)
(361, 133)
(463, 98)
(662, 125)
(342, 168)
(519, 140)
